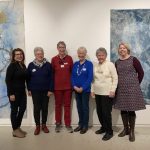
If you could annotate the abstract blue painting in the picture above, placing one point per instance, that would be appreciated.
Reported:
(133, 27)
(11, 36)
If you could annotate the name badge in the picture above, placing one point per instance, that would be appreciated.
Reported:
(84, 69)
(65, 63)
(62, 66)
(33, 70)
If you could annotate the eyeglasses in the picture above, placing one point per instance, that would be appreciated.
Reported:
(61, 47)
(18, 54)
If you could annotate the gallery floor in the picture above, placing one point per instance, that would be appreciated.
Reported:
(72, 141)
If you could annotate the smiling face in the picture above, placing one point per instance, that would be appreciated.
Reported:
(18, 56)
(82, 54)
(101, 56)
(123, 51)
(61, 49)
(39, 55)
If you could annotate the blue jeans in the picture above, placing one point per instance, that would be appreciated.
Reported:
(83, 108)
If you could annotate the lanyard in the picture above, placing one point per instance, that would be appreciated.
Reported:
(82, 69)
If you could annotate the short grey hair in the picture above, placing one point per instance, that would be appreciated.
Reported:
(101, 49)
(82, 49)
(38, 49)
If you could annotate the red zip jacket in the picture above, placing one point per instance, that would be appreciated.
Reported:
(62, 69)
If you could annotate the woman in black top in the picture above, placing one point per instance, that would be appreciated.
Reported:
(15, 81)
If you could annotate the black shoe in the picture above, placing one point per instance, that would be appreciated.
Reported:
(79, 128)
(58, 128)
(84, 130)
(107, 136)
(100, 131)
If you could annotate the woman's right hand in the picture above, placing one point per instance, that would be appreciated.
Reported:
(76, 88)
(29, 93)
(92, 94)
(12, 98)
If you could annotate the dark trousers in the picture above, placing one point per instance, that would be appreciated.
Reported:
(104, 108)
(129, 113)
(18, 108)
(83, 108)
(63, 98)
(40, 103)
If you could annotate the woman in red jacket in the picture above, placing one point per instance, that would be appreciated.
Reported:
(62, 67)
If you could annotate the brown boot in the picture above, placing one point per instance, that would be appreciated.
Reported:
(37, 130)
(125, 131)
(132, 126)
(17, 133)
(44, 128)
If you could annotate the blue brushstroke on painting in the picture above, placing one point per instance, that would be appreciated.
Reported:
(11, 21)
(133, 27)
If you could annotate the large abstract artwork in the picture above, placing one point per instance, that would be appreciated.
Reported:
(11, 36)
(133, 27)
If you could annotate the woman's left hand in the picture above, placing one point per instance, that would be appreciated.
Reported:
(80, 90)
(49, 93)
(112, 94)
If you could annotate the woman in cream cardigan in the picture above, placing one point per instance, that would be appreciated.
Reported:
(103, 89)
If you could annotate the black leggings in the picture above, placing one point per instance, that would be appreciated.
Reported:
(18, 108)
(130, 113)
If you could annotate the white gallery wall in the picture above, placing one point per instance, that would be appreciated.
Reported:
(78, 23)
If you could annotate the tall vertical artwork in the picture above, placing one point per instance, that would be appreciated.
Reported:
(11, 36)
(133, 27)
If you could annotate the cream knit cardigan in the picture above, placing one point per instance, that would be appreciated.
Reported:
(105, 78)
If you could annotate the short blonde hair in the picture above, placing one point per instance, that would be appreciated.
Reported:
(82, 49)
(126, 45)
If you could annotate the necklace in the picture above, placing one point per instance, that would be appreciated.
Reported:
(79, 71)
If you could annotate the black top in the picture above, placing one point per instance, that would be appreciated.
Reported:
(15, 78)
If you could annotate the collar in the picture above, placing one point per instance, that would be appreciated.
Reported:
(39, 64)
